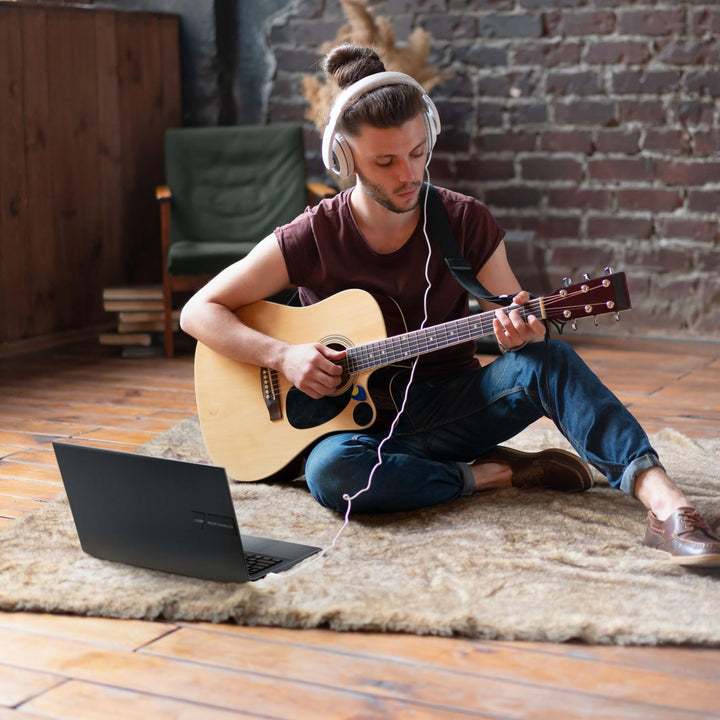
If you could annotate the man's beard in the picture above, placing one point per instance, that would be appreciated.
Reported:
(380, 196)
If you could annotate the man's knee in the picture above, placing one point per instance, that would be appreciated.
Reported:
(555, 351)
(322, 480)
(326, 473)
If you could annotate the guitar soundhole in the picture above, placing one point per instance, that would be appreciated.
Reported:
(346, 379)
(362, 414)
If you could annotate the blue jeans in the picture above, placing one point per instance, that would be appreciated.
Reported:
(451, 419)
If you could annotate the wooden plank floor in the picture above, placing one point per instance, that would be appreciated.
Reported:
(75, 667)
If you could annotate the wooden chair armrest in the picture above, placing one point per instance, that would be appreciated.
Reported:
(163, 195)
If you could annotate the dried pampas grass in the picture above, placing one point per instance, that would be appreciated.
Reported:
(366, 30)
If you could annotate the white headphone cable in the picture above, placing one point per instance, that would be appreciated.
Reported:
(378, 464)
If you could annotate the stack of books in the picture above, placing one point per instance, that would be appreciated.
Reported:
(140, 320)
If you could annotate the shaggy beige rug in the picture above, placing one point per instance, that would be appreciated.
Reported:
(531, 565)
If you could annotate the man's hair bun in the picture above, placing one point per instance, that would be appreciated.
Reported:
(346, 64)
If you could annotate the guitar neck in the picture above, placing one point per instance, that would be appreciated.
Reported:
(426, 340)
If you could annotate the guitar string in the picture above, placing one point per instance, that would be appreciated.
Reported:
(418, 342)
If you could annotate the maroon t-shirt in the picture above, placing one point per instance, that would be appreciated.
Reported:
(325, 252)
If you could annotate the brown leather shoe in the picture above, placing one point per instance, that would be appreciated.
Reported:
(686, 536)
(552, 469)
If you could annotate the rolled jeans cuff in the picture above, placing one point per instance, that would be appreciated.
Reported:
(468, 487)
(635, 468)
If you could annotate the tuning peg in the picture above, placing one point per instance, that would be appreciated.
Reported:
(573, 325)
(586, 276)
(567, 281)
(617, 317)
(596, 321)
(608, 271)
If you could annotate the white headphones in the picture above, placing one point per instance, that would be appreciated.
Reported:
(336, 151)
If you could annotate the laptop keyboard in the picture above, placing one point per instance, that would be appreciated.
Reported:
(256, 562)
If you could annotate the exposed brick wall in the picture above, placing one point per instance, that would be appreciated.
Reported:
(595, 124)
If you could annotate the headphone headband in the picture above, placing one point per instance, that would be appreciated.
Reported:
(336, 153)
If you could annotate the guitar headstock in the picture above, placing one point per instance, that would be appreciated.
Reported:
(592, 297)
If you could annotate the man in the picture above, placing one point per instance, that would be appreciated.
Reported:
(442, 421)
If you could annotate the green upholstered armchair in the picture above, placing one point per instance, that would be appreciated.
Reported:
(227, 188)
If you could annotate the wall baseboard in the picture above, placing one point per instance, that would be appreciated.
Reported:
(52, 340)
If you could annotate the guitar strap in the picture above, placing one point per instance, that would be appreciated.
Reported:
(442, 234)
(460, 267)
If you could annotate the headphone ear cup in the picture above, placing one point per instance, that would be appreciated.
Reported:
(343, 157)
(432, 123)
(430, 132)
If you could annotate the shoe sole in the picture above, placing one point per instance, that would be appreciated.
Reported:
(708, 561)
(589, 482)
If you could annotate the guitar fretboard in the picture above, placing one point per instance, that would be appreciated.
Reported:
(420, 342)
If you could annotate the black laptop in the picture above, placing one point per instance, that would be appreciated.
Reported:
(165, 515)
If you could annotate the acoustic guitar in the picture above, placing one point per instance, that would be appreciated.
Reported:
(254, 422)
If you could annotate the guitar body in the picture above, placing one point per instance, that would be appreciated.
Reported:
(238, 426)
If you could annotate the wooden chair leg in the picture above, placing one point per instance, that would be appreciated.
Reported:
(167, 302)
(163, 195)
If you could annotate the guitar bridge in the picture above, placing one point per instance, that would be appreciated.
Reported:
(271, 392)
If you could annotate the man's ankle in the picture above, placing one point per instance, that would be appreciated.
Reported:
(491, 476)
(659, 493)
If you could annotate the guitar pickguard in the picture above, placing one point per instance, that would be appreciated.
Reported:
(303, 412)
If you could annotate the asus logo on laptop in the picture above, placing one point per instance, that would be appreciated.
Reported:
(214, 523)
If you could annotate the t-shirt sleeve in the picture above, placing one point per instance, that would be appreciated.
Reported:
(297, 247)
